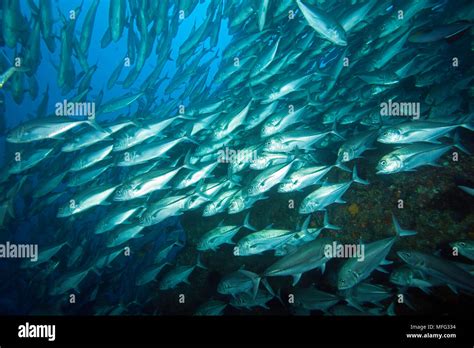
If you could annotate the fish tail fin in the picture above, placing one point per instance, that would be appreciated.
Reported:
(469, 126)
(174, 164)
(467, 122)
(458, 145)
(188, 138)
(335, 132)
(234, 180)
(93, 123)
(268, 287)
(252, 92)
(278, 296)
(356, 178)
(327, 224)
(309, 99)
(342, 167)
(200, 192)
(187, 162)
(247, 223)
(256, 284)
(391, 309)
(297, 154)
(199, 262)
(399, 230)
(304, 227)
(353, 303)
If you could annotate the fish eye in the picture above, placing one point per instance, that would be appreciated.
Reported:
(462, 244)
(383, 162)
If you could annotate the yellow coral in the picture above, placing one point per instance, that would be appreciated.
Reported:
(353, 209)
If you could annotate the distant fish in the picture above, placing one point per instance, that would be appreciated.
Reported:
(326, 26)
(441, 32)
(439, 268)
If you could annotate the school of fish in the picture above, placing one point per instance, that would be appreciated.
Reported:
(301, 90)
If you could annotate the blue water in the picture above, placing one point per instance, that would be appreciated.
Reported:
(107, 60)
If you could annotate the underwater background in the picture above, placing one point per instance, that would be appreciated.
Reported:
(182, 80)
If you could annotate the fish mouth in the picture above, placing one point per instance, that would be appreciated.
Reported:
(403, 255)
(344, 287)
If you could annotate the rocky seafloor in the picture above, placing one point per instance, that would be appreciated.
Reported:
(433, 206)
